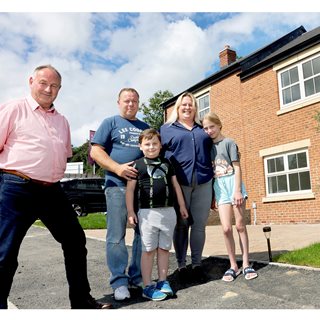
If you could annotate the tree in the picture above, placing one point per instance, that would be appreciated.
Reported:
(153, 113)
(80, 154)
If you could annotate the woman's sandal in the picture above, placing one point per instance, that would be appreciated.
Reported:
(230, 275)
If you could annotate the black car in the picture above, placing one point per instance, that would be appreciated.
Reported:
(85, 194)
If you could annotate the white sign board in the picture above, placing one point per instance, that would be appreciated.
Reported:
(74, 168)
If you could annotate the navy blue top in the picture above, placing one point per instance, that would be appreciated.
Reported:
(188, 151)
(120, 138)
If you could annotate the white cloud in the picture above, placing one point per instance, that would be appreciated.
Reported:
(163, 55)
(98, 54)
(60, 33)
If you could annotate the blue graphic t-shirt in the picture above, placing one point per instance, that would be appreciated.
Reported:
(120, 138)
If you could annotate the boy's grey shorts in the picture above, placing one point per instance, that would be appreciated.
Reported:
(156, 228)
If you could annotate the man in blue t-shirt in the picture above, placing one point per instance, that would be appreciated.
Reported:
(115, 146)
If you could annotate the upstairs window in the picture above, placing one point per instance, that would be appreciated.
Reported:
(311, 76)
(290, 85)
(203, 105)
(300, 82)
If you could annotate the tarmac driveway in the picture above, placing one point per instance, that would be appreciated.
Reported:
(40, 282)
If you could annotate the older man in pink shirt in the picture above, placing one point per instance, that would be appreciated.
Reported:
(34, 146)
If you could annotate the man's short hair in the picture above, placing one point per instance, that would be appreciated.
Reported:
(128, 89)
(47, 66)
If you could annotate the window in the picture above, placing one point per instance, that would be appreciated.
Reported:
(287, 173)
(203, 105)
(311, 75)
(299, 82)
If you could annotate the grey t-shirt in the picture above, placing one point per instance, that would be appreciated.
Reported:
(223, 153)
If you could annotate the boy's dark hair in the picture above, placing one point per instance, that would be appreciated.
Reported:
(149, 134)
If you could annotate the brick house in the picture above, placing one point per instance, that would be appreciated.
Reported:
(267, 102)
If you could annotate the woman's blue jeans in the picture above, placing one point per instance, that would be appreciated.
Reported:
(117, 253)
(21, 203)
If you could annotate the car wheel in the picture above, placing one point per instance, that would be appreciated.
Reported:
(78, 209)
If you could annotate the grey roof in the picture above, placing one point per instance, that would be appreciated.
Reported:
(301, 43)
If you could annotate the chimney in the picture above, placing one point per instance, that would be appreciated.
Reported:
(227, 56)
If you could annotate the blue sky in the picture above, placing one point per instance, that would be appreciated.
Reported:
(99, 53)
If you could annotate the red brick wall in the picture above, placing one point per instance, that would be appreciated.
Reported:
(248, 111)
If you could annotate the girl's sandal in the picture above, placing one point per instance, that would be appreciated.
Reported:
(249, 273)
(230, 275)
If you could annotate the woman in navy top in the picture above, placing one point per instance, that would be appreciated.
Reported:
(187, 147)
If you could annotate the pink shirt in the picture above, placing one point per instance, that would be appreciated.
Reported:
(33, 141)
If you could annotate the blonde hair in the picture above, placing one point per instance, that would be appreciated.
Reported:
(212, 117)
(174, 114)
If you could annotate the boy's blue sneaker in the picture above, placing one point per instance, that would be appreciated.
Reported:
(152, 293)
(164, 286)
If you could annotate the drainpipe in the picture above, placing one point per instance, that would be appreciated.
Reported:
(254, 207)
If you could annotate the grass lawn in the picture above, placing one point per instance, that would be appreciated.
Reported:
(91, 221)
(308, 256)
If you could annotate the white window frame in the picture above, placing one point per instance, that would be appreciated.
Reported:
(286, 172)
(206, 109)
(286, 149)
(303, 97)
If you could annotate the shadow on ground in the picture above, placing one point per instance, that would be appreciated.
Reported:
(214, 268)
